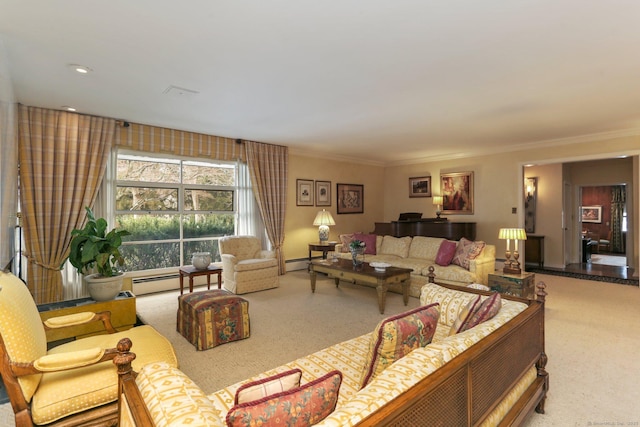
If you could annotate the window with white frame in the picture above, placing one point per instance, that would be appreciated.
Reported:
(173, 208)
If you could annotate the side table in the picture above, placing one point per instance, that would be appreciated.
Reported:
(122, 308)
(321, 247)
(190, 271)
(520, 285)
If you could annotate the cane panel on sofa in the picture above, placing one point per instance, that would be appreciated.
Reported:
(52, 395)
(246, 267)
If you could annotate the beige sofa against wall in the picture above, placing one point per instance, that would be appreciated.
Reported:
(419, 253)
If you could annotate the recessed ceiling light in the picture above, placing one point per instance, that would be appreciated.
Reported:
(80, 68)
(66, 107)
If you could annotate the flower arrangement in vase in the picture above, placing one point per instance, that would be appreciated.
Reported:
(357, 248)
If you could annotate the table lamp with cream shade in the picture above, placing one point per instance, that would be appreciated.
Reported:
(323, 220)
(508, 234)
(437, 202)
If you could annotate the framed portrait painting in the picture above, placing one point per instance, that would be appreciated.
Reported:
(420, 186)
(591, 214)
(350, 198)
(304, 192)
(457, 193)
(323, 193)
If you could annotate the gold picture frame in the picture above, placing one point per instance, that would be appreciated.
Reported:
(323, 193)
(304, 192)
(457, 193)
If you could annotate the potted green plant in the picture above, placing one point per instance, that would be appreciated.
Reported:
(93, 248)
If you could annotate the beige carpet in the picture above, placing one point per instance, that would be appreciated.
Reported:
(591, 332)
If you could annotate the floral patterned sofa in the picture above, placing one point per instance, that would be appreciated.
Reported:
(489, 374)
(455, 263)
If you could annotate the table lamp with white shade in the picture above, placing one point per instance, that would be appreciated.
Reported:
(508, 234)
(323, 220)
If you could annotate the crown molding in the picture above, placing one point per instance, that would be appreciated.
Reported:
(542, 144)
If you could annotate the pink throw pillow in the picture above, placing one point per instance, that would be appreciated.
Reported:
(369, 240)
(446, 252)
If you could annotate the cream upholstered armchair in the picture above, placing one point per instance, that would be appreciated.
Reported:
(246, 267)
(75, 383)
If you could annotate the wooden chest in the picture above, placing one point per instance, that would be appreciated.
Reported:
(521, 285)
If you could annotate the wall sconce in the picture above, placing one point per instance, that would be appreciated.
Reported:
(323, 220)
(530, 200)
(437, 201)
(508, 234)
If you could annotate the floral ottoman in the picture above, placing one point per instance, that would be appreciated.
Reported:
(210, 318)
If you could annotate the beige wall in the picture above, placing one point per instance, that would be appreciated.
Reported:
(299, 228)
(499, 188)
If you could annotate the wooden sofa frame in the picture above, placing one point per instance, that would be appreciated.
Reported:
(463, 392)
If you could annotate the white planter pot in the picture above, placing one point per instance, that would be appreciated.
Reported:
(104, 288)
(201, 260)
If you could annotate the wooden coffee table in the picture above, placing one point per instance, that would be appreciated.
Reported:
(344, 269)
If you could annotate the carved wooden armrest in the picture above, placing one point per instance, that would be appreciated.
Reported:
(127, 388)
(76, 319)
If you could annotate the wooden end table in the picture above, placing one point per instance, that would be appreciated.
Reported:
(190, 271)
(344, 269)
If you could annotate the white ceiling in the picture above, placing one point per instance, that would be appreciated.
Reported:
(384, 81)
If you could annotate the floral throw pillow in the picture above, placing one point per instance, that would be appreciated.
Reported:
(255, 390)
(397, 336)
(301, 406)
(345, 239)
(466, 251)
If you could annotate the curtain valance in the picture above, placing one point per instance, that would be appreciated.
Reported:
(152, 139)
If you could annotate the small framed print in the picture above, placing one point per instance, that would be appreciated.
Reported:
(350, 198)
(304, 192)
(591, 214)
(323, 193)
(420, 186)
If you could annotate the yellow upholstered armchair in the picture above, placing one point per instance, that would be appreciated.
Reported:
(246, 267)
(75, 383)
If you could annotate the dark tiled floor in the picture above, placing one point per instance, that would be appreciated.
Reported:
(595, 271)
(600, 270)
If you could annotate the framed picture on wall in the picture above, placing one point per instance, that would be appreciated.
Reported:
(350, 198)
(304, 192)
(457, 193)
(420, 186)
(591, 214)
(323, 193)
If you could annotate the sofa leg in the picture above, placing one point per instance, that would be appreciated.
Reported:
(542, 372)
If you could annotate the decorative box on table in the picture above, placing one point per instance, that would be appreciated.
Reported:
(521, 285)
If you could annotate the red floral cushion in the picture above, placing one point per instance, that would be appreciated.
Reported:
(369, 240)
(255, 390)
(302, 406)
(486, 311)
(446, 252)
(397, 336)
(466, 251)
